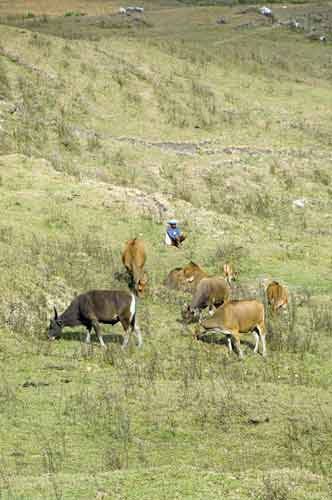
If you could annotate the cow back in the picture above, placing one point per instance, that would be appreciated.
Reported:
(277, 294)
(134, 255)
(239, 315)
(213, 289)
(105, 305)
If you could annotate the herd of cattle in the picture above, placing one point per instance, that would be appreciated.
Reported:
(231, 317)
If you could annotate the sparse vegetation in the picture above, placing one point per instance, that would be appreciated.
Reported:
(107, 129)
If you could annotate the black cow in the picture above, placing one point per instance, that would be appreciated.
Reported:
(99, 306)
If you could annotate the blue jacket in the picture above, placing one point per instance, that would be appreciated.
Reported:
(173, 233)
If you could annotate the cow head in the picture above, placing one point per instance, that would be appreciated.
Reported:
(189, 315)
(56, 325)
(140, 287)
(230, 274)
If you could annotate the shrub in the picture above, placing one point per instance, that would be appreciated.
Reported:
(73, 13)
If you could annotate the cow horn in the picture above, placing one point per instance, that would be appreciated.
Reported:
(55, 313)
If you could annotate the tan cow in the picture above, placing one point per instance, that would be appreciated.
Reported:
(277, 296)
(236, 317)
(133, 258)
(185, 278)
(210, 292)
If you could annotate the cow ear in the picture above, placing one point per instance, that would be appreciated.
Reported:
(55, 313)
(146, 277)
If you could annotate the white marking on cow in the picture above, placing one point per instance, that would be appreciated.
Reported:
(132, 307)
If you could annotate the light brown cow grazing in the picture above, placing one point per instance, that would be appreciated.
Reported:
(210, 292)
(193, 273)
(188, 277)
(185, 278)
(236, 317)
(133, 258)
(277, 296)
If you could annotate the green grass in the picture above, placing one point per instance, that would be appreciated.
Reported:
(108, 127)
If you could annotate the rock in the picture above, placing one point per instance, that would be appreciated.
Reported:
(300, 203)
(258, 420)
(265, 11)
(314, 35)
(35, 384)
(293, 23)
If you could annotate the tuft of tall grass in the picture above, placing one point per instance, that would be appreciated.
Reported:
(4, 81)
(307, 441)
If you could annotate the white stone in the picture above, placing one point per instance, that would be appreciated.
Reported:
(300, 203)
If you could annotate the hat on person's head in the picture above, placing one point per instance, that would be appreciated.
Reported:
(172, 221)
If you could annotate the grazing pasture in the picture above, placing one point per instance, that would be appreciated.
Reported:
(109, 126)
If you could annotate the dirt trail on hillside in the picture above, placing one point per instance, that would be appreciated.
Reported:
(205, 147)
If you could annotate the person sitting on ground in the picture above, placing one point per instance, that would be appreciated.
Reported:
(174, 235)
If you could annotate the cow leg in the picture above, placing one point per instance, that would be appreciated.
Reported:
(229, 335)
(256, 334)
(236, 337)
(97, 329)
(229, 342)
(264, 344)
(200, 315)
(138, 335)
(261, 330)
(127, 331)
(88, 335)
(126, 339)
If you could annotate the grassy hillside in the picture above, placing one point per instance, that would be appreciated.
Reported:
(110, 125)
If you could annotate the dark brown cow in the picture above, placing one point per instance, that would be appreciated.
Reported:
(277, 295)
(99, 306)
(236, 317)
(210, 292)
(133, 258)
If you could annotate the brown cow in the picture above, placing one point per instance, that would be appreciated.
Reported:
(210, 292)
(236, 317)
(185, 278)
(133, 258)
(189, 276)
(277, 296)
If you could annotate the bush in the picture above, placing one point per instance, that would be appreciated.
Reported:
(73, 13)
